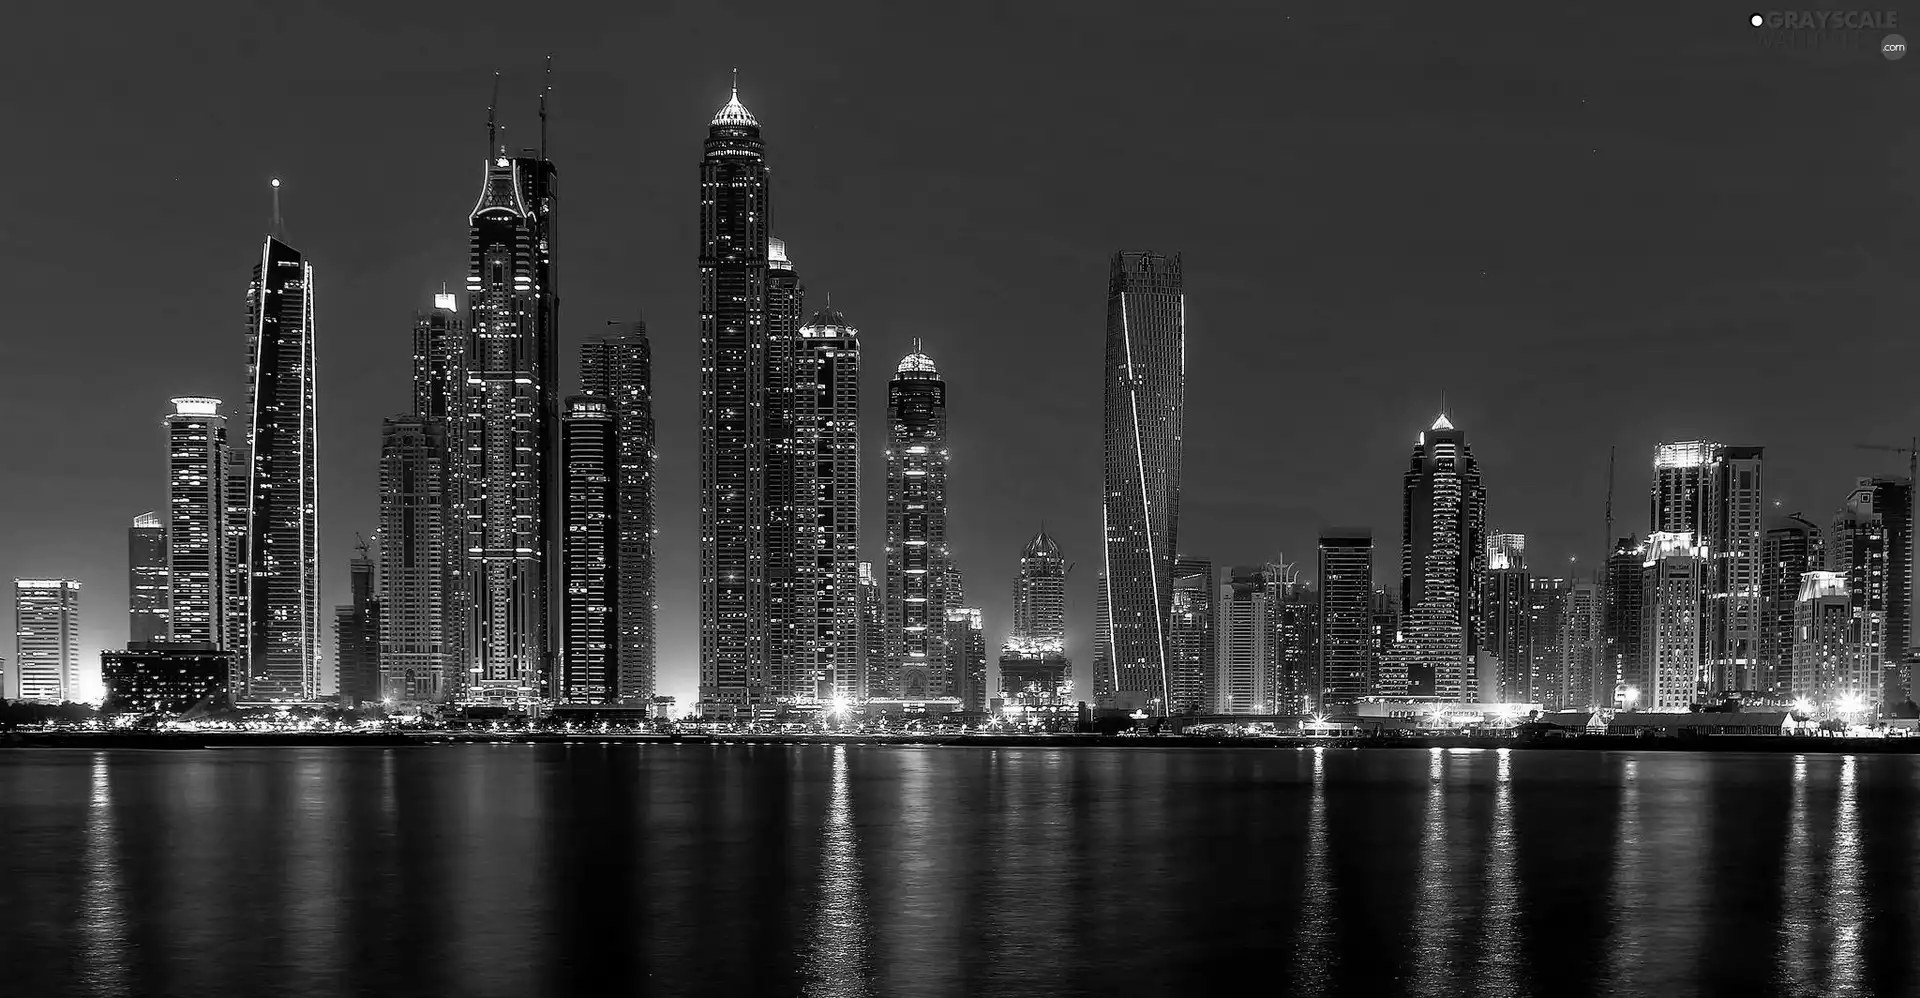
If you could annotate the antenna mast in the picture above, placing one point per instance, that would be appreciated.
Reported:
(493, 131)
(543, 106)
(278, 225)
(1608, 546)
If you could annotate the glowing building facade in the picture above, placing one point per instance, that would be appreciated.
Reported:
(590, 559)
(1792, 547)
(506, 432)
(47, 640)
(736, 618)
(1508, 633)
(918, 562)
(1623, 619)
(280, 628)
(147, 615)
(1294, 616)
(1675, 570)
(1244, 660)
(1192, 648)
(790, 674)
(824, 659)
(1857, 549)
(1144, 421)
(1033, 660)
(1442, 560)
(619, 369)
(1347, 668)
(966, 643)
(421, 627)
(1835, 648)
(198, 575)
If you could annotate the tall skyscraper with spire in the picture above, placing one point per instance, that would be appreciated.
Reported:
(824, 660)
(787, 664)
(147, 617)
(280, 657)
(1145, 413)
(736, 624)
(1442, 561)
(918, 564)
(508, 427)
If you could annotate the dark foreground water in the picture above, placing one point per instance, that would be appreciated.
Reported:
(555, 870)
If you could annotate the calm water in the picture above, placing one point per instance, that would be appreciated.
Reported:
(547, 870)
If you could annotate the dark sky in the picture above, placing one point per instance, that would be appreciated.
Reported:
(1586, 228)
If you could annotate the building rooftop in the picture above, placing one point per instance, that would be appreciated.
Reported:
(733, 113)
(917, 362)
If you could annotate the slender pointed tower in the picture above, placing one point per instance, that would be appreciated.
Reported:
(280, 627)
(919, 586)
(508, 427)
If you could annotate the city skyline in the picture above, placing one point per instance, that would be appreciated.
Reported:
(1248, 513)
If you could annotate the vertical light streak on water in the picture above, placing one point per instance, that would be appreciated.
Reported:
(103, 917)
(1434, 934)
(1625, 896)
(315, 833)
(1498, 973)
(918, 950)
(1794, 946)
(1316, 903)
(1846, 903)
(836, 963)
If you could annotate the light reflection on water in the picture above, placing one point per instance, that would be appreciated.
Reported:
(542, 870)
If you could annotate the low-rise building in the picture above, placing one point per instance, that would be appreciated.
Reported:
(164, 677)
(1703, 723)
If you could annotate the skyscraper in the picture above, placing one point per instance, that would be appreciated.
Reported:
(1347, 668)
(966, 642)
(1504, 601)
(1145, 412)
(824, 655)
(590, 561)
(1623, 618)
(148, 618)
(47, 640)
(1892, 503)
(1442, 559)
(1547, 633)
(508, 428)
(873, 632)
(1857, 550)
(1193, 651)
(1582, 681)
(421, 625)
(281, 655)
(356, 630)
(619, 369)
(1714, 492)
(1244, 662)
(1671, 608)
(198, 572)
(1792, 547)
(1831, 662)
(1033, 660)
(735, 618)
(789, 662)
(1294, 613)
(918, 562)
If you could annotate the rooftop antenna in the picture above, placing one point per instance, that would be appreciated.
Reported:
(493, 131)
(279, 226)
(1609, 537)
(543, 106)
(916, 344)
(736, 83)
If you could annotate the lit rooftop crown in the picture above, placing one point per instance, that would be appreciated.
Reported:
(917, 362)
(1443, 423)
(733, 113)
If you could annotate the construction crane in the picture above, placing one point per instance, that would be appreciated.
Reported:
(1912, 451)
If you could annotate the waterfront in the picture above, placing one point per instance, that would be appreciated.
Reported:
(535, 869)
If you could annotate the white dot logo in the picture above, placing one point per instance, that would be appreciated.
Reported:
(1758, 20)
(1893, 47)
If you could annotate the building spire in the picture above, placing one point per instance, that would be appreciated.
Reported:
(736, 84)
(278, 226)
(493, 131)
(543, 106)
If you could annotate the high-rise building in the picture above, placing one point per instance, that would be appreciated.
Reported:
(736, 622)
(507, 431)
(1857, 548)
(1293, 612)
(1245, 663)
(356, 631)
(1671, 611)
(47, 640)
(1792, 547)
(1505, 597)
(918, 561)
(590, 560)
(280, 656)
(1347, 666)
(439, 360)
(619, 369)
(421, 626)
(1546, 617)
(789, 658)
(198, 572)
(1682, 487)
(1192, 647)
(1384, 636)
(1033, 660)
(1890, 501)
(823, 659)
(1442, 559)
(1623, 619)
(966, 643)
(1835, 646)
(148, 618)
(1582, 682)
(1145, 413)
(1713, 492)
(873, 632)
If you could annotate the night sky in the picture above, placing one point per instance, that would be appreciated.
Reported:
(1584, 228)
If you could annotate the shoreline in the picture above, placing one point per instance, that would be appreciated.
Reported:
(175, 741)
